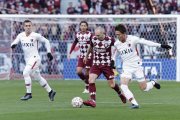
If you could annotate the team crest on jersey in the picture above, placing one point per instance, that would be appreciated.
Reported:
(129, 45)
(31, 40)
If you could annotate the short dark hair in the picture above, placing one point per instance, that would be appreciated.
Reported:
(121, 28)
(83, 22)
(26, 21)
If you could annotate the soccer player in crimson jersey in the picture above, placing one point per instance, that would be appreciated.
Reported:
(101, 46)
(126, 48)
(29, 41)
(83, 37)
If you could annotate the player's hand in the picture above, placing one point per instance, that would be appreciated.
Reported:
(49, 55)
(112, 64)
(85, 60)
(166, 47)
(13, 46)
(115, 72)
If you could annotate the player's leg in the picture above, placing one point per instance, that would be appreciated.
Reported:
(92, 86)
(125, 78)
(86, 73)
(128, 94)
(109, 74)
(143, 84)
(146, 86)
(92, 91)
(94, 73)
(116, 88)
(79, 72)
(28, 83)
(44, 84)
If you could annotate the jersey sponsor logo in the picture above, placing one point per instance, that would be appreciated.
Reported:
(126, 51)
(28, 44)
(82, 42)
(99, 50)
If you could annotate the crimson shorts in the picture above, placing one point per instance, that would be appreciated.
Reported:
(106, 70)
(83, 65)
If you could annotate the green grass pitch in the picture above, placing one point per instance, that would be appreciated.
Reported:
(161, 104)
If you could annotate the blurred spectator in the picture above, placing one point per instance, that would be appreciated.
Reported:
(88, 7)
(126, 7)
(71, 9)
(30, 6)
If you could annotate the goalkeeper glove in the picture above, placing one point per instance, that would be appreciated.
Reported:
(13, 46)
(112, 64)
(166, 47)
(49, 55)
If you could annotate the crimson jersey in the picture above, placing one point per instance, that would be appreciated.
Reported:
(84, 42)
(102, 50)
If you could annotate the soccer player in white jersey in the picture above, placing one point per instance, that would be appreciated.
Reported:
(29, 41)
(83, 37)
(126, 48)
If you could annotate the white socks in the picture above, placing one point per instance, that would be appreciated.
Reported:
(26, 73)
(27, 78)
(149, 86)
(128, 94)
(28, 84)
(44, 84)
(42, 81)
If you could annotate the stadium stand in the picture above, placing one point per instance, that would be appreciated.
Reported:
(30, 7)
(88, 7)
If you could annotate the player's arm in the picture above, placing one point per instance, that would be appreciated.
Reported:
(15, 42)
(114, 53)
(153, 44)
(72, 47)
(89, 50)
(47, 45)
(114, 56)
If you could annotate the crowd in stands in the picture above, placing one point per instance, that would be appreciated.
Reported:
(89, 7)
(123, 7)
(30, 6)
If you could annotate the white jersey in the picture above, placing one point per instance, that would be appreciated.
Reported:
(30, 44)
(128, 51)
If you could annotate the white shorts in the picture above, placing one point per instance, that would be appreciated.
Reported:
(34, 63)
(136, 73)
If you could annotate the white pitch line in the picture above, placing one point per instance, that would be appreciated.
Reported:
(120, 102)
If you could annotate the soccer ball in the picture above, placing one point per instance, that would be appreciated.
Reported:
(77, 102)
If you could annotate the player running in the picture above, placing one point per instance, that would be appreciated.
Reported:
(126, 48)
(101, 46)
(29, 41)
(83, 37)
